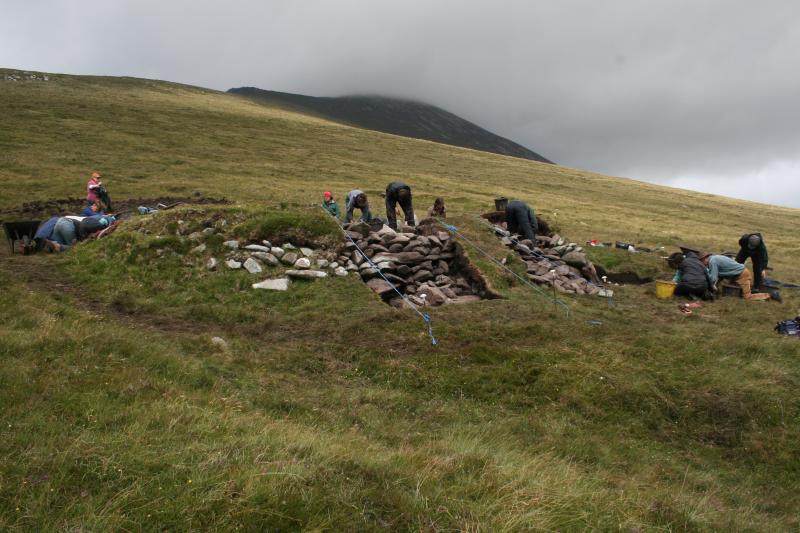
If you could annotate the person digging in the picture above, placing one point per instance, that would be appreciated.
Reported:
(398, 192)
(722, 268)
(521, 220)
(691, 276)
(357, 200)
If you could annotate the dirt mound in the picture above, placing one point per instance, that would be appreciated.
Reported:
(42, 209)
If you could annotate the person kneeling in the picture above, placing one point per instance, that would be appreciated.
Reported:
(721, 267)
(690, 276)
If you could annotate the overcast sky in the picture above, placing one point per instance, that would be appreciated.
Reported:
(697, 94)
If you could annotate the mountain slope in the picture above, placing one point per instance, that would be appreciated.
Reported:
(324, 408)
(399, 117)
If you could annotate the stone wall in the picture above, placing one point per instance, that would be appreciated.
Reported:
(425, 264)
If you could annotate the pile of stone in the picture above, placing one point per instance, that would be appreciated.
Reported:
(303, 263)
(554, 261)
(425, 265)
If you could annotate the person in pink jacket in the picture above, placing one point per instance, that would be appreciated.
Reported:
(92, 185)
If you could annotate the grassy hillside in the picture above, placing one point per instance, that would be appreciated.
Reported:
(331, 410)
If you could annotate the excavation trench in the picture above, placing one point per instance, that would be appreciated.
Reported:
(425, 266)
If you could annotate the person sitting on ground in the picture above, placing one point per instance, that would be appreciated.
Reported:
(398, 192)
(438, 210)
(68, 230)
(330, 205)
(357, 200)
(691, 276)
(752, 245)
(521, 220)
(98, 207)
(721, 267)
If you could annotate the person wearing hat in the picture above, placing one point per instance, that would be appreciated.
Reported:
(356, 199)
(398, 192)
(330, 205)
(721, 267)
(752, 245)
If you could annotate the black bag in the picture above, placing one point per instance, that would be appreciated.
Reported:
(789, 327)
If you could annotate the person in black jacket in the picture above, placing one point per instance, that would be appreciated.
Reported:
(521, 220)
(691, 277)
(752, 245)
(398, 192)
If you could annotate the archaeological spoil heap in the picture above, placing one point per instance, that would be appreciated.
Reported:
(554, 261)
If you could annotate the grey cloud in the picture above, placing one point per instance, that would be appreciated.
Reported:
(695, 94)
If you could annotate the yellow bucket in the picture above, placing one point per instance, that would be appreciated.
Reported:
(665, 289)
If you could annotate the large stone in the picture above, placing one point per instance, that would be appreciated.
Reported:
(323, 263)
(380, 286)
(378, 248)
(308, 252)
(361, 228)
(306, 274)
(199, 249)
(396, 247)
(386, 230)
(289, 246)
(257, 248)
(233, 264)
(279, 284)
(233, 245)
(304, 263)
(425, 265)
(340, 271)
(277, 251)
(252, 266)
(266, 257)
(422, 275)
(400, 239)
(404, 270)
(289, 258)
(432, 295)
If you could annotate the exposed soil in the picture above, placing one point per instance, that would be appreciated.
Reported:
(42, 209)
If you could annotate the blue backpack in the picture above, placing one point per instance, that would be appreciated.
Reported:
(789, 327)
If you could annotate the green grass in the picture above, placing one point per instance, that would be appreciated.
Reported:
(331, 410)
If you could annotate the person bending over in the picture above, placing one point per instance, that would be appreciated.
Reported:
(398, 192)
(752, 245)
(721, 267)
(520, 219)
(357, 200)
(691, 276)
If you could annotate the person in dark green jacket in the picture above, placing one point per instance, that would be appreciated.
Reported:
(330, 205)
(752, 245)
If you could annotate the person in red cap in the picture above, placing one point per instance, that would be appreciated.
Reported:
(330, 205)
